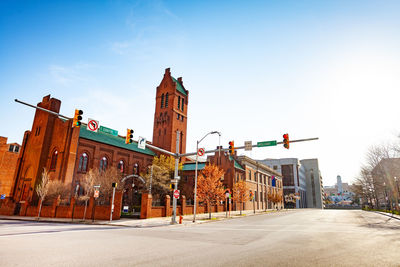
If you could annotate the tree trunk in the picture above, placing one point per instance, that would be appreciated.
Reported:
(84, 213)
(241, 206)
(209, 210)
(40, 209)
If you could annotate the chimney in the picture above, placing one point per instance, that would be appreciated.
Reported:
(180, 80)
(167, 71)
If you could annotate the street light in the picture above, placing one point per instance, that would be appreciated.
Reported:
(195, 173)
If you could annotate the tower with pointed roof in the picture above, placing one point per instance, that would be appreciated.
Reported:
(170, 116)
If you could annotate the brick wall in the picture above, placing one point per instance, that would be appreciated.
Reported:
(8, 164)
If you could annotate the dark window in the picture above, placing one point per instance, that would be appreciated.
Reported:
(255, 176)
(166, 100)
(162, 100)
(181, 118)
(83, 163)
(16, 149)
(179, 102)
(178, 116)
(182, 103)
(121, 166)
(288, 175)
(136, 168)
(275, 167)
(103, 164)
(249, 174)
(53, 163)
(11, 148)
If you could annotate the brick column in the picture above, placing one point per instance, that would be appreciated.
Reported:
(168, 210)
(145, 211)
(117, 205)
(54, 207)
(183, 204)
(71, 208)
(24, 207)
(90, 208)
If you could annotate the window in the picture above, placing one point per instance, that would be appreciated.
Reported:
(249, 174)
(255, 176)
(53, 163)
(178, 116)
(179, 102)
(83, 163)
(166, 100)
(162, 100)
(103, 164)
(121, 166)
(181, 118)
(37, 131)
(182, 104)
(16, 149)
(275, 167)
(11, 148)
(136, 168)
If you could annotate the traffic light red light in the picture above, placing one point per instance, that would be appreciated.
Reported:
(232, 147)
(129, 136)
(77, 118)
(286, 140)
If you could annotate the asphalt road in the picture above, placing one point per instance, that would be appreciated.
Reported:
(292, 238)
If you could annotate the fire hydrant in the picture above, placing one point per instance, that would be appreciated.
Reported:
(180, 219)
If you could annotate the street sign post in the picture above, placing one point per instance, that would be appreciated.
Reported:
(176, 193)
(267, 143)
(92, 125)
(248, 146)
(142, 143)
(200, 152)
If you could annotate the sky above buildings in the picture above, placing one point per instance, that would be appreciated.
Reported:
(254, 70)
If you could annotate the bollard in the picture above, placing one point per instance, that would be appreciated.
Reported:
(180, 219)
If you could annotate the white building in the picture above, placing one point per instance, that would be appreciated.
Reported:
(315, 189)
(294, 183)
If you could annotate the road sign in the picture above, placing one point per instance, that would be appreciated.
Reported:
(3, 196)
(96, 193)
(266, 143)
(176, 193)
(125, 209)
(108, 131)
(92, 125)
(247, 145)
(142, 143)
(200, 152)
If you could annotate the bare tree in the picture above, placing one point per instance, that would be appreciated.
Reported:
(42, 189)
(87, 183)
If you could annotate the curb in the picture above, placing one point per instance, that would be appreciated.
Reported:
(388, 215)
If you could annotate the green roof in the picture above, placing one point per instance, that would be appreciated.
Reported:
(179, 87)
(237, 165)
(192, 166)
(112, 141)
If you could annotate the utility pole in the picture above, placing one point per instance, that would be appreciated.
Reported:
(176, 177)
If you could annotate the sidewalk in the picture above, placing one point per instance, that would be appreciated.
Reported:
(145, 223)
(394, 216)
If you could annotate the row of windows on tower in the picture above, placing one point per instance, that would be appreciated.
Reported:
(84, 163)
(165, 98)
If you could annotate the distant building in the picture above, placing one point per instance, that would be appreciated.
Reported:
(9, 153)
(315, 189)
(294, 184)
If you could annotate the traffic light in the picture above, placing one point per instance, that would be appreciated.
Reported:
(172, 186)
(232, 147)
(129, 136)
(286, 140)
(77, 118)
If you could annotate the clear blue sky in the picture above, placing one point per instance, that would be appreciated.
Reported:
(254, 69)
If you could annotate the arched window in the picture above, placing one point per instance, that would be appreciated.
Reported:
(179, 102)
(103, 164)
(121, 166)
(136, 168)
(166, 100)
(53, 163)
(182, 103)
(162, 100)
(83, 163)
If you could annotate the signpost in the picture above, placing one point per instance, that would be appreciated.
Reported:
(176, 193)
(248, 146)
(267, 143)
(93, 125)
(142, 143)
(108, 131)
(3, 196)
(200, 152)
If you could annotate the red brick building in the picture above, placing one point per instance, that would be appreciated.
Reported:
(8, 161)
(170, 114)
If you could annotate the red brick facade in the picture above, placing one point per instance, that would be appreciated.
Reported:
(170, 114)
(8, 162)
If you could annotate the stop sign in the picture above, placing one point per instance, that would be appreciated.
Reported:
(176, 193)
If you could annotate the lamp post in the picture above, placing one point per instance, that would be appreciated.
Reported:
(195, 172)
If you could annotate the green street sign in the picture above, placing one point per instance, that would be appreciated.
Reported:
(108, 131)
(266, 143)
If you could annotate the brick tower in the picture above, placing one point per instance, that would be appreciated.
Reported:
(171, 113)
